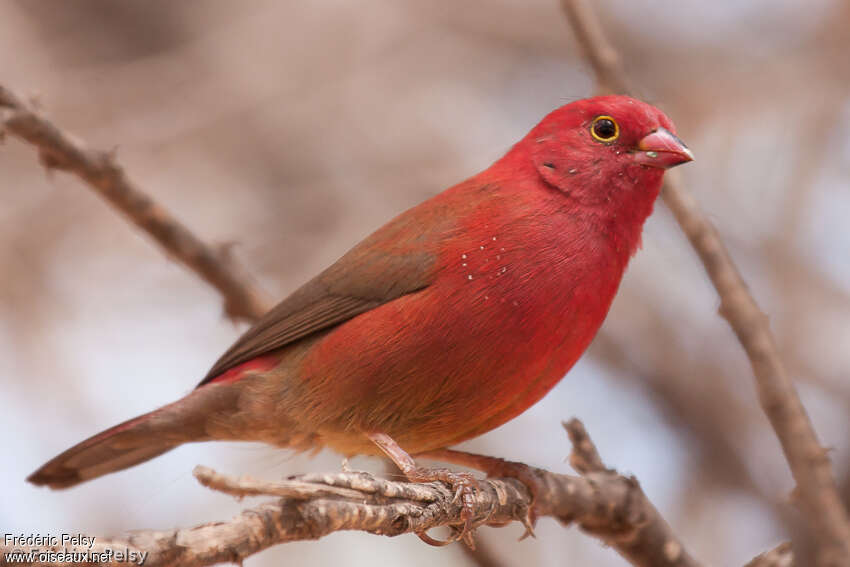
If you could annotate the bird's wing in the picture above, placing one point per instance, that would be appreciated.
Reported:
(396, 260)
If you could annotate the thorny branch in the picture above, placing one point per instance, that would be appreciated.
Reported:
(819, 499)
(59, 150)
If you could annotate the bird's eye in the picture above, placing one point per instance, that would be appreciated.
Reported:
(605, 129)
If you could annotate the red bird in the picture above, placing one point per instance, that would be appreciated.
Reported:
(448, 321)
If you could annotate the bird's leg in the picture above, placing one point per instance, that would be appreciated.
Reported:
(463, 484)
(495, 467)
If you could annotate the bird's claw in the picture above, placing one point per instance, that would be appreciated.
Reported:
(528, 521)
(463, 485)
(525, 474)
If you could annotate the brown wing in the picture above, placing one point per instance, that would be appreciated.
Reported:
(396, 260)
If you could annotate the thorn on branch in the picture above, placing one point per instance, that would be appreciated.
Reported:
(584, 457)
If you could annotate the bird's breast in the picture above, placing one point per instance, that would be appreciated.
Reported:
(513, 305)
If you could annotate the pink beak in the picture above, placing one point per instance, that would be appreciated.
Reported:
(662, 149)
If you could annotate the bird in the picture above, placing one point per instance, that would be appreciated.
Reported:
(448, 321)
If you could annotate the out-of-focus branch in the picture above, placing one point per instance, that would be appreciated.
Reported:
(779, 556)
(810, 465)
(482, 556)
(100, 170)
(701, 409)
(605, 60)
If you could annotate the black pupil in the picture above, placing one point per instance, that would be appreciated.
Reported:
(605, 128)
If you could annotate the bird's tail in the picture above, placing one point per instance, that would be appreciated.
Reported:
(138, 440)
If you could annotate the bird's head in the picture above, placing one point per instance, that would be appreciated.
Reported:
(605, 149)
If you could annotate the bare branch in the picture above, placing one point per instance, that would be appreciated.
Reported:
(610, 76)
(809, 462)
(59, 150)
(608, 506)
(632, 524)
(810, 465)
(318, 505)
(625, 519)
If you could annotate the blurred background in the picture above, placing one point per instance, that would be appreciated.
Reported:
(293, 129)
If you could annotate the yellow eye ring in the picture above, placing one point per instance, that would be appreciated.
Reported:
(604, 129)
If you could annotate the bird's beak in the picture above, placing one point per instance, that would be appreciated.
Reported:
(662, 149)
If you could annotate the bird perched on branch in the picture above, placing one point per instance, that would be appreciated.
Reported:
(448, 321)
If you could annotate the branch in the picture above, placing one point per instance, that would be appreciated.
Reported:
(605, 60)
(633, 525)
(604, 504)
(315, 505)
(59, 150)
(819, 499)
(779, 556)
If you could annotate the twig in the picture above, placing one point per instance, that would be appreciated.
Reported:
(808, 460)
(584, 458)
(59, 150)
(633, 527)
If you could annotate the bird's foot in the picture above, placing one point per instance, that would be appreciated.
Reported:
(463, 485)
(525, 474)
(495, 467)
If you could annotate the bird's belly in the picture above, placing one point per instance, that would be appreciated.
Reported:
(439, 366)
